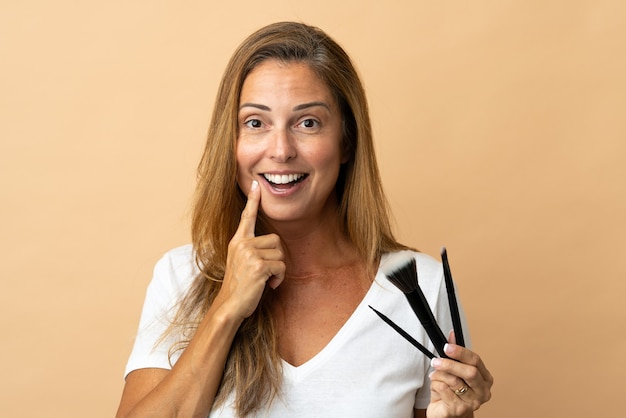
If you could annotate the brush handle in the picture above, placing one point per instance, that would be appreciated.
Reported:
(420, 306)
(454, 307)
(404, 334)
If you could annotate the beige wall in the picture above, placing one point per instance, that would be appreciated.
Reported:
(501, 132)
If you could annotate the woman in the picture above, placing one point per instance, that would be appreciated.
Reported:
(266, 313)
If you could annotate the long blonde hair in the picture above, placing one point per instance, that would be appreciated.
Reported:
(253, 368)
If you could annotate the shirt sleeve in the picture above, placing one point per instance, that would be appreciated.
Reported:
(172, 276)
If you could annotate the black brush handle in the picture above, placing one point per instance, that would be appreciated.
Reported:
(404, 334)
(454, 307)
(420, 306)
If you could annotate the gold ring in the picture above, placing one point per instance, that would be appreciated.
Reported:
(461, 390)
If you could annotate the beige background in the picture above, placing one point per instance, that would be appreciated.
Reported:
(501, 133)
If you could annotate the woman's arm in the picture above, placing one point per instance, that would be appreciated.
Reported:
(189, 389)
(421, 413)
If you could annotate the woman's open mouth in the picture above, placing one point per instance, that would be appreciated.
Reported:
(284, 181)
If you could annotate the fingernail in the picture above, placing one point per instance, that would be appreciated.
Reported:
(447, 349)
(430, 375)
(435, 362)
(255, 184)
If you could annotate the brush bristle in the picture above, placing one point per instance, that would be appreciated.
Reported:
(405, 276)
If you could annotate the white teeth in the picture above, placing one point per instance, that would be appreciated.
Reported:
(282, 178)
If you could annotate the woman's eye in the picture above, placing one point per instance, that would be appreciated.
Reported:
(253, 123)
(309, 123)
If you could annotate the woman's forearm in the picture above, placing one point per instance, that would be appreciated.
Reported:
(189, 389)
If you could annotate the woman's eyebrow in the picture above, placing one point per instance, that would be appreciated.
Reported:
(296, 108)
(311, 104)
(255, 105)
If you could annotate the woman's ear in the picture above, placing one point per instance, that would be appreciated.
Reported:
(346, 153)
(345, 156)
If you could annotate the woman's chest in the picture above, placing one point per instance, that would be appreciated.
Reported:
(309, 318)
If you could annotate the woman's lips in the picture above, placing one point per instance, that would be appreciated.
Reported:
(284, 184)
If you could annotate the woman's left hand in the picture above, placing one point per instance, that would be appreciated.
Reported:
(459, 385)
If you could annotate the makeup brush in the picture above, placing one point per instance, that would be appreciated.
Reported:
(454, 307)
(403, 333)
(405, 279)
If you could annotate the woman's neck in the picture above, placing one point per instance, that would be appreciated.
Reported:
(312, 248)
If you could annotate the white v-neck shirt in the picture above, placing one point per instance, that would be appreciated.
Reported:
(366, 370)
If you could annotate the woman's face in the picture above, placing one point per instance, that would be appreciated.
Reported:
(289, 140)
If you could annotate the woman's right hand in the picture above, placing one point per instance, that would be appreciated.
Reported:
(252, 262)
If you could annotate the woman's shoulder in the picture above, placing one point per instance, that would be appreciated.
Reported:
(178, 256)
(425, 263)
(183, 251)
(429, 270)
(176, 268)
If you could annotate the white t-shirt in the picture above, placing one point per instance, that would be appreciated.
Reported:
(366, 370)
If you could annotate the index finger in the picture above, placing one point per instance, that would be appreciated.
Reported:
(466, 356)
(249, 213)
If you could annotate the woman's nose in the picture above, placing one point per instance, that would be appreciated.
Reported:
(281, 147)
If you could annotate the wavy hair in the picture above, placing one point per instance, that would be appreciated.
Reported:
(253, 369)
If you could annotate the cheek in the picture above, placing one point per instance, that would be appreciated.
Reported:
(329, 157)
(248, 153)
(242, 159)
